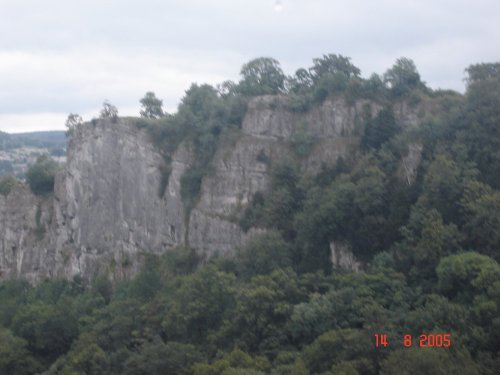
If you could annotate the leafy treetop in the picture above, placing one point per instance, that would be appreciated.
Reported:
(151, 106)
(108, 111)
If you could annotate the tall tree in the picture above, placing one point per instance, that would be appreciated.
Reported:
(108, 111)
(72, 122)
(151, 106)
(335, 65)
(262, 76)
(479, 129)
(332, 73)
(402, 77)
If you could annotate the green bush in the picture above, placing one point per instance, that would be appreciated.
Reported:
(41, 175)
(190, 187)
(7, 183)
(379, 130)
(263, 254)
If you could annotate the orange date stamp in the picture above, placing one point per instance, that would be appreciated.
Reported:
(431, 340)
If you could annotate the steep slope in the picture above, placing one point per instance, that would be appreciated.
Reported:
(106, 212)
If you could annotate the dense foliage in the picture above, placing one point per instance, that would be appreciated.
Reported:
(430, 249)
(151, 106)
(205, 117)
(7, 182)
(41, 175)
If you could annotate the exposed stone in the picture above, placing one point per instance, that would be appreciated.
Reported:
(106, 212)
(407, 170)
(342, 257)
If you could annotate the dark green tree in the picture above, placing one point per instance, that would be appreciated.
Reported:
(300, 90)
(262, 308)
(158, 358)
(478, 127)
(442, 187)
(49, 329)
(72, 122)
(264, 254)
(15, 359)
(151, 106)
(481, 205)
(334, 65)
(41, 175)
(7, 182)
(200, 305)
(482, 72)
(416, 361)
(374, 88)
(402, 77)
(379, 130)
(340, 346)
(426, 239)
(331, 73)
(262, 76)
(86, 357)
(465, 275)
(300, 82)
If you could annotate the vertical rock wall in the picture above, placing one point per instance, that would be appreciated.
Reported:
(106, 212)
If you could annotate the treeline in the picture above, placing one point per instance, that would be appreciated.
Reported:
(207, 114)
(233, 316)
(430, 251)
(52, 140)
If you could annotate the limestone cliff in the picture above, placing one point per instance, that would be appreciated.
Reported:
(106, 212)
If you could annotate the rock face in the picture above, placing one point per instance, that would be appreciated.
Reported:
(23, 244)
(342, 257)
(106, 212)
(407, 170)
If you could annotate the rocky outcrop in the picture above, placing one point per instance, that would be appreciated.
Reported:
(106, 212)
(24, 221)
(407, 170)
(342, 257)
(242, 165)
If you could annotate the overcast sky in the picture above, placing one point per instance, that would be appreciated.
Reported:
(62, 56)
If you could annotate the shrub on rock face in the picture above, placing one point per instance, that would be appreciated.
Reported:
(41, 175)
(72, 122)
(7, 183)
(108, 111)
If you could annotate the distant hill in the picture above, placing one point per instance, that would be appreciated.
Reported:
(20, 150)
(47, 139)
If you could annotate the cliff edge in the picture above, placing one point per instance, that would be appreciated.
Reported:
(106, 212)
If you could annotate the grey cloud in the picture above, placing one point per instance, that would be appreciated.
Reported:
(118, 49)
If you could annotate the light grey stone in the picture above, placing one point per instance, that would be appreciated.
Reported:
(106, 213)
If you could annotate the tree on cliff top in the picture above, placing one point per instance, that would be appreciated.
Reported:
(334, 65)
(402, 77)
(151, 106)
(262, 76)
(108, 111)
(72, 122)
